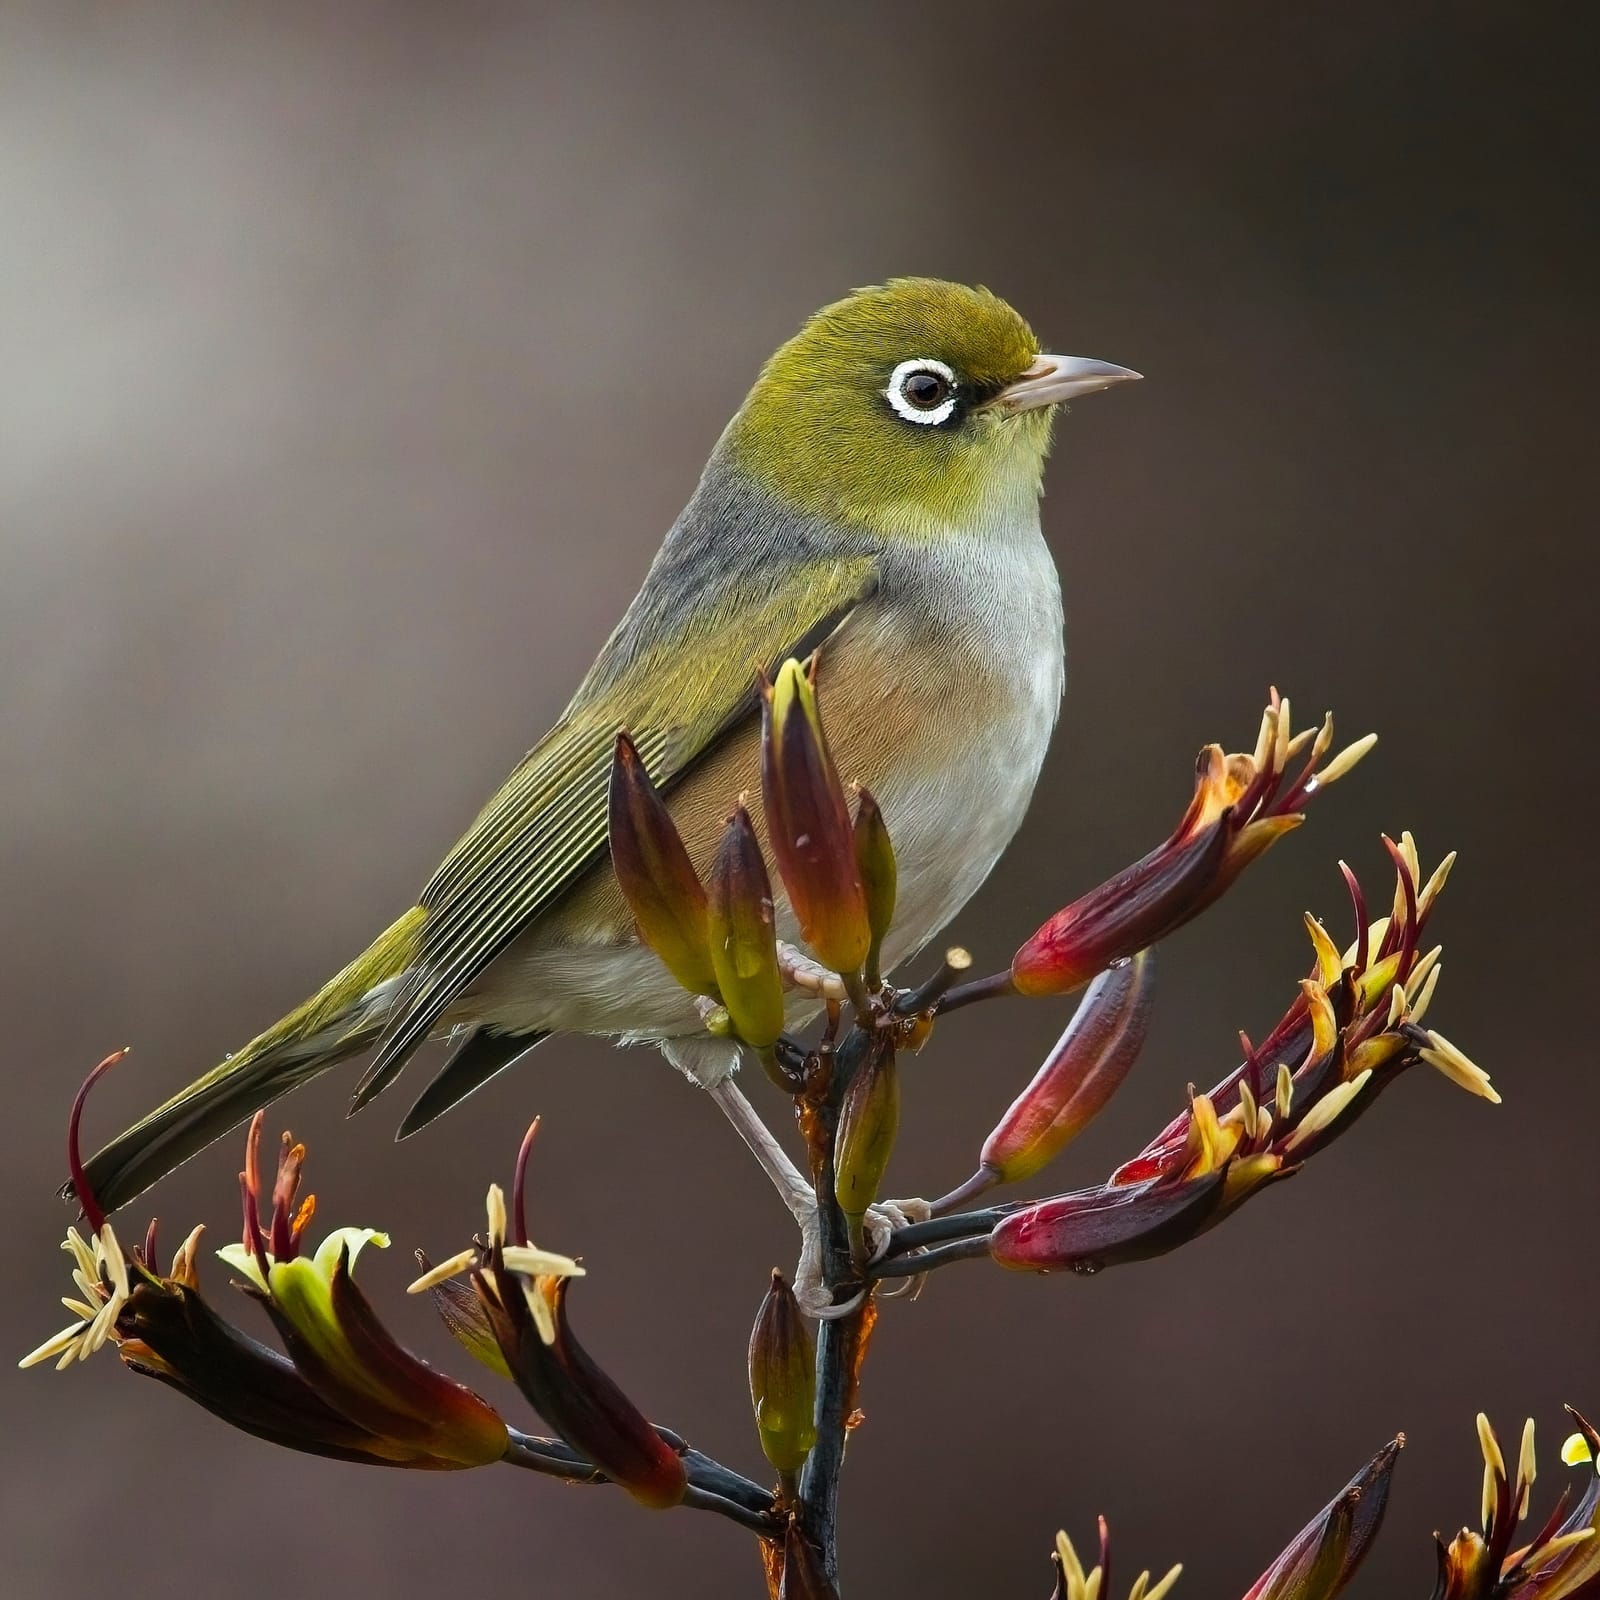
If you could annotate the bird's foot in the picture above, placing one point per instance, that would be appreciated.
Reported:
(799, 971)
(810, 1288)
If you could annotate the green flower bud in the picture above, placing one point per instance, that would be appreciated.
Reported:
(783, 1379)
(655, 874)
(869, 1119)
(744, 947)
(879, 876)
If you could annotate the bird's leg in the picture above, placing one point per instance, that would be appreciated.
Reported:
(813, 1294)
(795, 1191)
(792, 1189)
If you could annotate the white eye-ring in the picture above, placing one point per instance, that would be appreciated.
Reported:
(923, 390)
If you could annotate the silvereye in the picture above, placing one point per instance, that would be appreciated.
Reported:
(876, 494)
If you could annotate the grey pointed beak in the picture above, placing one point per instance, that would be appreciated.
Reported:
(1052, 379)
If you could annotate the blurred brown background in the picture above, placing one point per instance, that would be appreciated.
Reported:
(355, 360)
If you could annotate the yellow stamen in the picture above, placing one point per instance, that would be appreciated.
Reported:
(1346, 760)
(1327, 1109)
(1420, 1009)
(442, 1270)
(1527, 1469)
(1446, 1058)
(1164, 1588)
(1490, 1446)
(1432, 888)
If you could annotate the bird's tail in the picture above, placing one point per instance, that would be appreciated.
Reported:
(330, 1026)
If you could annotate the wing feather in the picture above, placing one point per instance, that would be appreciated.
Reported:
(547, 824)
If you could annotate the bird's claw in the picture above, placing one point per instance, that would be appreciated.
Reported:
(816, 1298)
(799, 971)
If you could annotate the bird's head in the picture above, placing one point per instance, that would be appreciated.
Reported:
(910, 410)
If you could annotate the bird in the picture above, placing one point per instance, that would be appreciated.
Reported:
(874, 498)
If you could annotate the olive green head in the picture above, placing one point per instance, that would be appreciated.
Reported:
(912, 409)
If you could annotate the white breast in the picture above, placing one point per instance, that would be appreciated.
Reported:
(1004, 612)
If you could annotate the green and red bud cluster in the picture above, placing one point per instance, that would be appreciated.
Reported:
(719, 939)
(1242, 805)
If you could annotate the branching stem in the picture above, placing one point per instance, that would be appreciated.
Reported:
(940, 1256)
(996, 986)
(939, 1230)
(838, 1338)
(712, 1486)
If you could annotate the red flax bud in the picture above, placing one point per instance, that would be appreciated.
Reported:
(879, 876)
(568, 1388)
(744, 948)
(809, 825)
(655, 874)
(1082, 1072)
(783, 1379)
(869, 1119)
(1094, 1228)
(346, 1390)
(1324, 1555)
(1241, 806)
(526, 1312)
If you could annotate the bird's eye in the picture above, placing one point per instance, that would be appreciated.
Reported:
(922, 391)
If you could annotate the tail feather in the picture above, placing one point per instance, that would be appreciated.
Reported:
(473, 1063)
(329, 1027)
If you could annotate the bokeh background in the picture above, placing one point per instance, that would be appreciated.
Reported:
(356, 358)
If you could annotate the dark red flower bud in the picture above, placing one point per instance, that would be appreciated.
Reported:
(1324, 1555)
(655, 874)
(1081, 1073)
(809, 825)
(1094, 1228)
(1240, 807)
